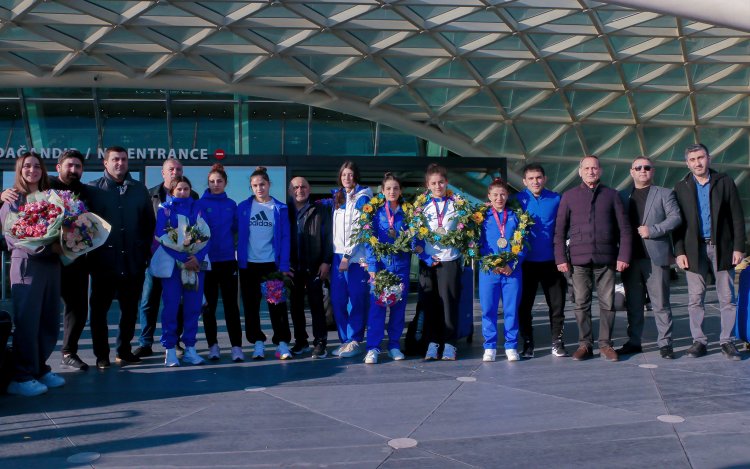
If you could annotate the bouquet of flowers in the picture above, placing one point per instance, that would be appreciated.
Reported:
(387, 288)
(275, 288)
(82, 231)
(189, 239)
(38, 222)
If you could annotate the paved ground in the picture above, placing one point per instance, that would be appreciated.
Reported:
(543, 412)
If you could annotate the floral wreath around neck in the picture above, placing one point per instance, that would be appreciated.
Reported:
(365, 235)
(495, 262)
(465, 237)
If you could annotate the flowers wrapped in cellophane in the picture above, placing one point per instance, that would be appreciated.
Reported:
(275, 288)
(189, 239)
(387, 288)
(37, 222)
(82, 231)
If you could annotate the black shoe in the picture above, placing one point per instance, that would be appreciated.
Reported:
(179, 350)
(628, 349)
(300, 348)
(528, 349)
(558, 350)
(143, 351)
(667, 352)
(73, 361)
(126, 358)
(730, 351)
(319, 351)
(103, 363)
(696, 350)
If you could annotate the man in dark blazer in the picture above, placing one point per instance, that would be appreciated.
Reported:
(591, 216)
(653, 214)
(117, 267)
(712, 237)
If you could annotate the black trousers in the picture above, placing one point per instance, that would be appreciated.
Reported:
(554, 286)
(250, 279)
(307, 281)
(223, 275)
(440, 294)
(105, 287)
(75, 298)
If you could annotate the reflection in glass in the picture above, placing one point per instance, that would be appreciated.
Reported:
(338, 134)
(63, 124)
(203, 125)
(134, 124)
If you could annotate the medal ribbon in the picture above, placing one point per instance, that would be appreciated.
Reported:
(391, 215)
(440, 216)
(500, 226)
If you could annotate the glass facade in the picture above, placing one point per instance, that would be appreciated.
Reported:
(87, 119)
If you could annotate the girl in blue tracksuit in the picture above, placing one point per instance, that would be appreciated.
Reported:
(220, 212)
(503, 283)
(263, 245)
(387, 224)
(173, 291)
(349, 278)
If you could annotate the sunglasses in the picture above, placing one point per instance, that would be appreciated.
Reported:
(644, 167)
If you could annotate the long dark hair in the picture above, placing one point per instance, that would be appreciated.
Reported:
(340, 198)
(20, 183)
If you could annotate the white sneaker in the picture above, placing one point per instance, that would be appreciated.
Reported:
(512, 355)
(282, 351)
(432, 351)
(372, 356)
(170, 358)
(352, 350)
(214, 352)
(52, 380)
(489, 355)
(191, 356)
(396, 354)
(27, 388)
(337, 351)
(260, 351)
(237, 354)
(449, 352)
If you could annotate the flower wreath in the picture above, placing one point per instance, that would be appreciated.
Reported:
(492, 262)
(364, 233)
(466, 235)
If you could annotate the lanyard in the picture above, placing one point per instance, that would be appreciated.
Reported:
(500, 226)
(440, 216)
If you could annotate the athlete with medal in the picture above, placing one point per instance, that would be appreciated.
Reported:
(500, 283)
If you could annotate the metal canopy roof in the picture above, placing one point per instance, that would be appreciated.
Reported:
(532, 80)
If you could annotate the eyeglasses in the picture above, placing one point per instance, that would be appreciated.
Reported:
(644, 167)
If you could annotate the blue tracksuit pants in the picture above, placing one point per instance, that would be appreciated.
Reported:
(492, 289)
(172, 293)
(376, 317)
(350, 285)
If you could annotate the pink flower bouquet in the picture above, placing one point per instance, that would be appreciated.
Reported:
(275, 289)
(82, 231)
(387, 288)
(38, 222)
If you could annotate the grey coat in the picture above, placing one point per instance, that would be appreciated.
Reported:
(661, 216)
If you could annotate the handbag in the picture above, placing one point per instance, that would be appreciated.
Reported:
(162, 264)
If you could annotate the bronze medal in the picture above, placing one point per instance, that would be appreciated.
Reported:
(440, 230)
(502, 243)
(392, 233)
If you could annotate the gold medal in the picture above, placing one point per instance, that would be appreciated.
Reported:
(392, 233)
(440, 230)
(502, 243)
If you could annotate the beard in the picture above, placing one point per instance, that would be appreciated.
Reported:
(70, 178)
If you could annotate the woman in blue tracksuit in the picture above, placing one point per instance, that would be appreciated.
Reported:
(388, 222)
(173, 291)
(349, 278)
(502, 283)
(220, 212)
(263, 245)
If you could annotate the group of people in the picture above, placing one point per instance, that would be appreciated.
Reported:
(535, 237)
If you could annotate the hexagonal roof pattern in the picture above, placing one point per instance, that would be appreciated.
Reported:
(531, 80)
